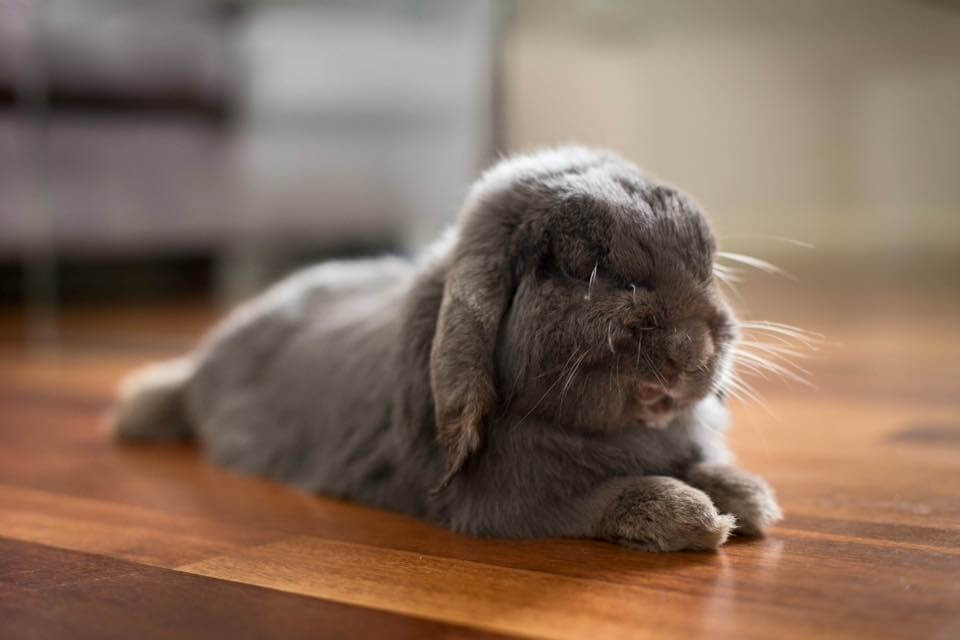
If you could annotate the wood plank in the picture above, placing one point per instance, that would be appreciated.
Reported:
(163, 539)
(147, 536)
(742, 593)
(49, 593)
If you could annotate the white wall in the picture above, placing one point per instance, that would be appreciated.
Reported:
(834, 123)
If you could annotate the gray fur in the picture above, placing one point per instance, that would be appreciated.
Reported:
(747, 497)
(500, 385)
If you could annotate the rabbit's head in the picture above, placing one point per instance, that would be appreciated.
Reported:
(580, 290)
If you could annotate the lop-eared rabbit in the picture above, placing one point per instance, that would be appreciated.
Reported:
(554, 365)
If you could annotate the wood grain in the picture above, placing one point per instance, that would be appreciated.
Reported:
(690, 596)
(51, 594)
(104, 541)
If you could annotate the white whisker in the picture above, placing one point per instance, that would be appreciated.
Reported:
(789, 371)
(772, 362)
(572, 355)
(810, 339)
(751, 393)
(755, 397)
(756, 263)
(593, 277)
(573, 374)
(764, 236)
(656, 373)
(774, 349)
(752, 368)
(550, 388)
(727, 274)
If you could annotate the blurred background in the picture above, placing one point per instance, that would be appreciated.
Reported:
(171, 150)
(161, 160)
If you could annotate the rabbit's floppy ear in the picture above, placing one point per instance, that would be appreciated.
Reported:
(476, 295)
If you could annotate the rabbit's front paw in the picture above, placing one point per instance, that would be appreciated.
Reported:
(747, 497)
(659, 513)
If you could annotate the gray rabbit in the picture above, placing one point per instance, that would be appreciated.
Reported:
(552, 366)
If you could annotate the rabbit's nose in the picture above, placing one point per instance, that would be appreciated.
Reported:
(689, 345)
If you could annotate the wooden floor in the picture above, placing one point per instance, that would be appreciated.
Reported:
(102, 541)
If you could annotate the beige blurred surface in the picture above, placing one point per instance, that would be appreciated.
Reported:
(831, 123)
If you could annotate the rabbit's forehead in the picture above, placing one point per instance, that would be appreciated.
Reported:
(679, 230)
(633, 247)
(625, 221)
(657, 258)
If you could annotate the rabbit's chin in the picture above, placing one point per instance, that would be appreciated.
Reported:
(660, 421)
(661, 412)
(657, 418)
(657, 414)
(656, 405)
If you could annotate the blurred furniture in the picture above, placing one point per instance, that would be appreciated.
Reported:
(248, 131)
(115, 134)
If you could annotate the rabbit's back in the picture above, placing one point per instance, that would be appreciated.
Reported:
(300, 376)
